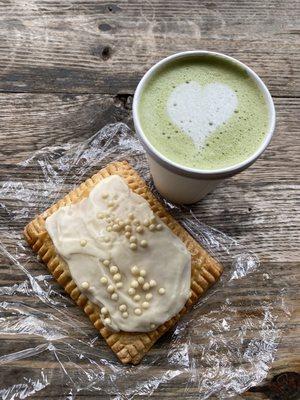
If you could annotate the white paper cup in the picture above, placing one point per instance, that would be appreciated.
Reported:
(182, 184)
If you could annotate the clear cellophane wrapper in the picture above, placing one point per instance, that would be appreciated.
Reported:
(222, 347)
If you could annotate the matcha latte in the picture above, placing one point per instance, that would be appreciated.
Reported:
(203, 112)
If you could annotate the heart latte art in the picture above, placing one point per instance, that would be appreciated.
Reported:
(199, 111)
(203, 112)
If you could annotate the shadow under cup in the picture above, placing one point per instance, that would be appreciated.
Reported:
(183, 184)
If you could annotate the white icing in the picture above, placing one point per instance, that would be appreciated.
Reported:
(106, 260)
(199, 111)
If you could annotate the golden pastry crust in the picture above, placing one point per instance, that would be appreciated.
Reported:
(129, 347)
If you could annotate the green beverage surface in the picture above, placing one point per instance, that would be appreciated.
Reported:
(231, 126)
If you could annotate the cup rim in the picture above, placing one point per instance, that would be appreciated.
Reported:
(196, 172)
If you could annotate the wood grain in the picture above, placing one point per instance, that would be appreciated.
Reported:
(69, 67)
(98, 47)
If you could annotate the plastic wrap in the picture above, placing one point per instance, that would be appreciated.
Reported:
(221, 348)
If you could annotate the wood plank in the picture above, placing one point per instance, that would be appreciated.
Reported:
(246, 301)
(33, 121)
(97, 47)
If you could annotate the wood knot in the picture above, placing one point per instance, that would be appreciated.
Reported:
(104, 27)
(285, 386)
(106, 53)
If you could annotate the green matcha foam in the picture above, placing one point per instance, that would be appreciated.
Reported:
(203, 112)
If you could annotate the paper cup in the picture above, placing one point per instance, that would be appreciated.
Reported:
(182, 184)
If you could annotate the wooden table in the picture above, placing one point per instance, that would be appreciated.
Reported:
(68, 67)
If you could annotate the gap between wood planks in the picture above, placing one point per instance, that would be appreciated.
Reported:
(121, 93)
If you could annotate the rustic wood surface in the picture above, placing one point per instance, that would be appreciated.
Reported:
(68, 67)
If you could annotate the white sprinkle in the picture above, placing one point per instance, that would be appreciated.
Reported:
(140, 280)
(116, 227)
(131, 291)
(125, 314)
(159, 227)
(123, 307)
(152, 326)
(117, 277)
(131, 216)
(152, 220)
(144, 243)
(119, 285)
(85, 285)
(106, 239)
(137, 297)
(132, 239)
(127, 228)
(127, 222)
(113, 269)
(148, 296)
(106, 263)
(146, 222)
(109, 228)
(161, 290)
(139, 229)
(114, 296)
(136, 222)
(83, 243)
(127, 235)
(135, 270)
(133, 246)
(107, 321)
(121, 224)
(104, 195)
(145, 304)
(138, 311)
(109, 220)
(143, 272)
(111, 203)
(152, 283)
(110, 289)
(134, 284)
(100, 215)
(103, 280)
(151, 227)
(104, 310)
(146, 286)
